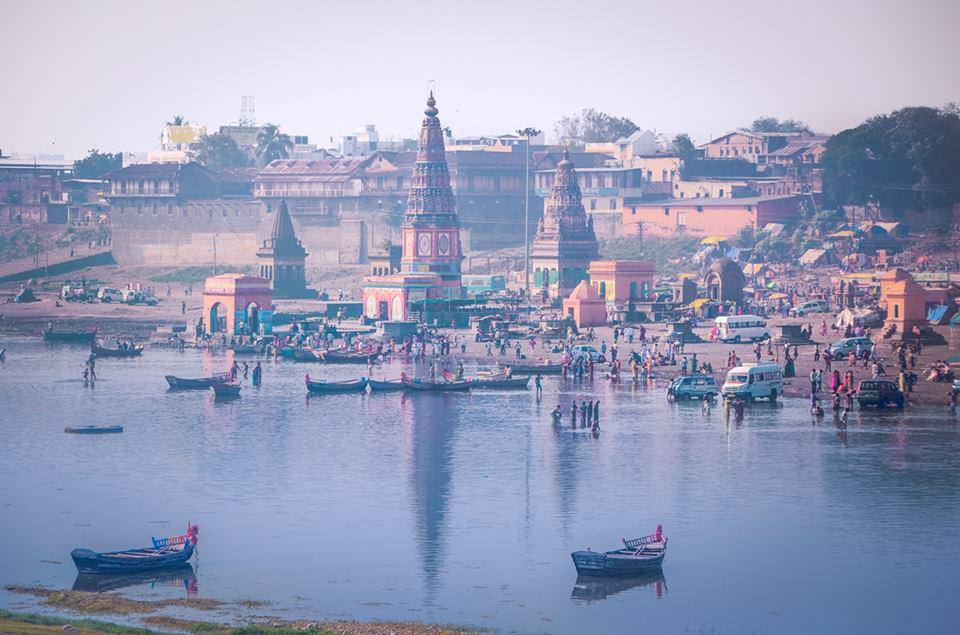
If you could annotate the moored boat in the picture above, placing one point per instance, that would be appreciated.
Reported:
(100, 351)
(304, 355)
(637, 556)
(51, 335)
(323, 387)
(93, 429)
(546, 368)
(199, 383)
(165, 553)
(386, 385)
(227, 389)
(437, 386)
(501, 382)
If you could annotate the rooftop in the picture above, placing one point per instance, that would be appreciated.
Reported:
(718, 202)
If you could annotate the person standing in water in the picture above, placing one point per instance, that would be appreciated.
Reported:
(596, 415)
(573, 413)
(257, 375)
(556, 415)
(538, 384)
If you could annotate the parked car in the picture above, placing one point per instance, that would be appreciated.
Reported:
(754, 381)
(693, 387)
(106, 294)
(138, 297)
(880, 393)
(810, 306)
(741, 328)
(842, 348)
(585, 350)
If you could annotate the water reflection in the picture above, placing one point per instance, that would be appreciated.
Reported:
(430, 421)
(179, 577)
(587, 589)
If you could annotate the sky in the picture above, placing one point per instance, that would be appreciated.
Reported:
(109, 73)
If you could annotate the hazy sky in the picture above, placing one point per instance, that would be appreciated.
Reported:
(107, 74)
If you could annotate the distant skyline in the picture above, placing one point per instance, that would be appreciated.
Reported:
(108, 74)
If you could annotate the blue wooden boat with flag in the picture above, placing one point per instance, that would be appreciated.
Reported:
(637, 556)
(165, 553)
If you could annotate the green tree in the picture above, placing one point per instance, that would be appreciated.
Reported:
(272, 144)
(218, 150)
(96, 164)
(592, 126)
(178, 120)
(772, 124)
(909, 159)
(683, 147)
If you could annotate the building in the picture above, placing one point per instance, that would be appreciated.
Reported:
(622, 281)
(283, 259)
(711, 216)
(747, 145)
(585, 307)
(28, 187)
(565, 242)
(175, 142)
(235, 304)
(431, 249)
(724, 281)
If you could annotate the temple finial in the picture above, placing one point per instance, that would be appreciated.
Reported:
(431, 110)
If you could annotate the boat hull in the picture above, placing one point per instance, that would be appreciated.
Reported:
(202, 383)
(132, 561)
(69, 336)
(331, 387)
(438, 386)
(385, 386)
(536, 369)
(226, 390)
(116, 352)
(94, 430)
(512, 382)
(594, 563)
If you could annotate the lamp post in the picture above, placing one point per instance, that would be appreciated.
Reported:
(526, 133)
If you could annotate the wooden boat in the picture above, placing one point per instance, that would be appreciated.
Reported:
(69, 336)
(637, 556)
(179, 575)
(323, 387)
(227, 389)
(501, 382)
(99, 351)
(165, 553)
(437, 386)
(385, 385)
(305, 355)
(337, 356)
(94, 430)
(546, 368)
(200, 383)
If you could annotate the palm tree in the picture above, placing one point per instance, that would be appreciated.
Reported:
(178, 120)
(272, 145)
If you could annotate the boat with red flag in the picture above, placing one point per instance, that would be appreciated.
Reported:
(636, 556)
(165, 553)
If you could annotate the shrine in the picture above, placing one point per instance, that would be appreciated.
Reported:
(283, 259)
(431, 250)
(565, 242)
(724, 281)
(622, 281)
(585, 307)
(235, 303)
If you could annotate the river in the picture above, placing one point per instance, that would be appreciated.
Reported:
(464, 508)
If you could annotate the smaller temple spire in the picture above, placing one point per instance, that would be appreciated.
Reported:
(282, 225)
(431, 110)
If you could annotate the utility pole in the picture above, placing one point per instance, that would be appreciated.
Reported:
(526, 133)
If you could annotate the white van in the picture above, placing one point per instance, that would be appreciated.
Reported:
(741, 328)
(106, 294)
(754, 381)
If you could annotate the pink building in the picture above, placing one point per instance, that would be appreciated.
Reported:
(622, 281)
(710, 216)
(585, 307)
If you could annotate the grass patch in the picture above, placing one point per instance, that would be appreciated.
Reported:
(31, 623)
(196, 275)
(109, 603)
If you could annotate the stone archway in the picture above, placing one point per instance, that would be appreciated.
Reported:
(217, 321)
(251, 317)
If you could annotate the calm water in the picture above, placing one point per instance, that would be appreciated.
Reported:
(464, 508)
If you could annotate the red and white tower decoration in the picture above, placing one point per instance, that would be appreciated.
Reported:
(431, 230)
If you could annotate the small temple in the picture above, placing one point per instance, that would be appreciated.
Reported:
(283, 259)
(237, 304)
(565, 242)
(431, 251)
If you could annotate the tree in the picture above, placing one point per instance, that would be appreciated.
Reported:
(96, 164)
(178, 120)
(593, 126)
(909, 159)
(683, 147)
(218, 150)
(272, 145)
(772, 124)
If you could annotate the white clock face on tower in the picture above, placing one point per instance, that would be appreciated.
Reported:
(443, 245)
(423, 245)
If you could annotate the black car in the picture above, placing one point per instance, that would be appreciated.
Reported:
(880, 393)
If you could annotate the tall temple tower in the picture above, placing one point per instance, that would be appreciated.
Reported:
(283, 259)
(565, 242)
(431, 230)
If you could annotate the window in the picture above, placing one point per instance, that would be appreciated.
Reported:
(666, 211)
(681, 219)
(613, 203)
(721, 192)
(593, 203)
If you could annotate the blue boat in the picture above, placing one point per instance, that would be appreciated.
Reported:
(166, 553)
(638, 556)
